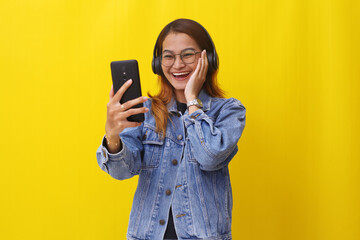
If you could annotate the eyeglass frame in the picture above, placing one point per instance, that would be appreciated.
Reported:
(181, 57)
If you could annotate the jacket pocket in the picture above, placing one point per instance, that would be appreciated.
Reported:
(153, 148)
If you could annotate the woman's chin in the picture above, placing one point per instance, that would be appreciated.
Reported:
(179, 84)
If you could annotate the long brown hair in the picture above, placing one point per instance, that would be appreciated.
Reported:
(162, 99)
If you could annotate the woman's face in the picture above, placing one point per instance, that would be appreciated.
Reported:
(179, 73)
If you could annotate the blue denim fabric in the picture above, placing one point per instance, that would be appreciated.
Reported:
(196, 185)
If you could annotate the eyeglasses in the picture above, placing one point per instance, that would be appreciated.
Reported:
(188, 56)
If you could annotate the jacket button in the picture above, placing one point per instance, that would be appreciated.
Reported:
(179, 137)
(193, 117)
(162, 222)
(174, 162)
(178, 114)
(168, 192)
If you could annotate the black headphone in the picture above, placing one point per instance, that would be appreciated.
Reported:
(212, 57)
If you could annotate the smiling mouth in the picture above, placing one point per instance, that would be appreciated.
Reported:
(180, 76)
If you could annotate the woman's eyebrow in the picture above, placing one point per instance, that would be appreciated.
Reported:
(167, 50)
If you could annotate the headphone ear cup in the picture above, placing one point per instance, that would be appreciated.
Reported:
(156, 66)
(210, 58)
(153, 65)
(215, 61)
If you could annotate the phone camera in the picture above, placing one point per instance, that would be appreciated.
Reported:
(124, 77)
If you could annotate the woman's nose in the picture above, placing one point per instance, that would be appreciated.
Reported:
(178, 63)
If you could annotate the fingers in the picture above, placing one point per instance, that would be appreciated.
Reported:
(121, 91)
(134, 102)
(134, 111)
(117, 113)
(120, 114)
(111, 94)
(198, 67)
(204, 64)
(123, 111)
(117, 120)
(120, 119)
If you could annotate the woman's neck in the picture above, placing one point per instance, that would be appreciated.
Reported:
(180, 96)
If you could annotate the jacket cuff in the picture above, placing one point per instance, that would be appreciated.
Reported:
(195, 116)
(106, 155)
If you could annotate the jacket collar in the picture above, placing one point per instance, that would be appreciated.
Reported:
(203, 96)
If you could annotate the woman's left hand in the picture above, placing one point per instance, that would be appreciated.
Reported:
(197, 79)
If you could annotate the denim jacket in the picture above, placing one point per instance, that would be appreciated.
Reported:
(186, 170)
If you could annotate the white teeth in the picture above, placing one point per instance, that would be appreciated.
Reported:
(179, 74)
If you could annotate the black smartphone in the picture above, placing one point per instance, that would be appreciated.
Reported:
(122, 71)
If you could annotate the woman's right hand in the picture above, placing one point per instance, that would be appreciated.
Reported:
(116, 120)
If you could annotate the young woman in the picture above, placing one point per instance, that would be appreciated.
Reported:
(182, 150)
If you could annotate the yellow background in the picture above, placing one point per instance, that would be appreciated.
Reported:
(293, 63)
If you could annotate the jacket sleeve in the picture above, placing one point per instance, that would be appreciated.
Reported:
(214, 140)
(127, 162)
